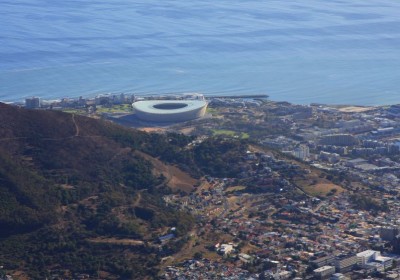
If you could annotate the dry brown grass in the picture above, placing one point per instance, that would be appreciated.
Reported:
(187, 130)
(180, 180)
(235, 188)
(131, 242)
(322, 189)
(176, 179)
(20, 275)
(152, 129)
(196, 244)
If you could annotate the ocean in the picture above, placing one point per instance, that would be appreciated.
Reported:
(341, 52)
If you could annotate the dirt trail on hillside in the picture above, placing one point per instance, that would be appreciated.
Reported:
(176, 179)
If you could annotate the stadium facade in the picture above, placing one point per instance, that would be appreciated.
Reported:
(169, 110)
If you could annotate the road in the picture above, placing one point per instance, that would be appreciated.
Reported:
(315, 210)
(76, 126)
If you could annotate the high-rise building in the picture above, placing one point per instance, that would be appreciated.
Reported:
(370, 257)
(302, 152)
(32, 102)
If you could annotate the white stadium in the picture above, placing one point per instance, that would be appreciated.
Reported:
(169, 110)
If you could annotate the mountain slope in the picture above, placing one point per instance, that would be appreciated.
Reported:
(68, 182)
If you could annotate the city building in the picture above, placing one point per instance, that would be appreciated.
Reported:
(324, 272)
(387, 262)
(302, 152)
(339, 140)
(329, 157)
(366, 256)
(345, 263)
(328, 260)
(225, 249)
(373, 258)
(32, 102)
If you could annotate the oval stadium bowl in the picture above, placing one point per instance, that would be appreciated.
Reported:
(169, 110)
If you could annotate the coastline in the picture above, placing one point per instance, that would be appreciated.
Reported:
(91, 97)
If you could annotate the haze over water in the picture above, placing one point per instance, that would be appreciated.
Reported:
(297, 51)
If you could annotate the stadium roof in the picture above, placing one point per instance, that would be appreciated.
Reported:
(168, 106)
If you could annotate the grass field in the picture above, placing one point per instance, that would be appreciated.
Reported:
(224, 132)
(322, 189)
(231, 133)
(123, 108)
(234, 189)
(74, 111)
(212, 111)
(244, 135)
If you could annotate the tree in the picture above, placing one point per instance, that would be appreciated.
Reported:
(198, 255)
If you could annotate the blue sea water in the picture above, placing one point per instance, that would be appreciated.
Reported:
(339, 51)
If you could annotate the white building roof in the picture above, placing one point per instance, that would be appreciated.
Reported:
(367, 253)
(323, 268)
(166, 107)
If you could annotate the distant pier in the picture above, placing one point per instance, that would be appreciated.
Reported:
(259, 96)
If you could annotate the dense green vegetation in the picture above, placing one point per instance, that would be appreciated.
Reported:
(217, 156)
(242, 135)
(67, 181)
(220, 157)
(366, 203)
